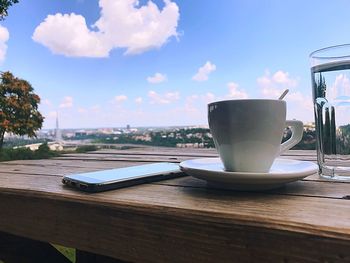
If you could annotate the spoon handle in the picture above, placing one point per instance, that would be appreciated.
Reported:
(283, 94)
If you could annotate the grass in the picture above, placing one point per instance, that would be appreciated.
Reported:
(66, 251)
(86, 148)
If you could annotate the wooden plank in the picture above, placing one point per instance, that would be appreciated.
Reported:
(156, 149)
(314, 188)
(179, 220)
(138, 155)
(130, 159)
(172, 154)
(331, 189)
(160, 152)
(98, 155)
(67, 166)
(191, 225)
(310, 188)
(249, 207)
(60, 163)
(191, 152)
(48, 168)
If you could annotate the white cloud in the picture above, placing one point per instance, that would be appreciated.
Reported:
(272, 86)
(204, 71)
(157, 78)
(340, 88)
(192, 98)
(284, 79)
(4, 36)
(120, 98)
(191, 110)
(67, 102)
(96, 107)
(196, 101)
(46, 102)
(68, 34)
(51, 115)
(166, 98)
(209, 97)
(299, 105)
(122, 24)
(304, 101)
(138, 100)
(235, 92)
(89, 110)
(82, 110)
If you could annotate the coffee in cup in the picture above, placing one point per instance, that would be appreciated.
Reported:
(247, 133)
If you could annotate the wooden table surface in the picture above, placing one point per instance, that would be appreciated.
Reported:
(178, 220)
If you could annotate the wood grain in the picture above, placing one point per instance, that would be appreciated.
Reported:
(179, 220)
(269, 209)
(159, 232)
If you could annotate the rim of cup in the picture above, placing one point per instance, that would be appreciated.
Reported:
(242, 100)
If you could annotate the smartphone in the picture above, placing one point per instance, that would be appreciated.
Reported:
(122, 177)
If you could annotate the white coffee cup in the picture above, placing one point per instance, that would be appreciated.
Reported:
(248, 133)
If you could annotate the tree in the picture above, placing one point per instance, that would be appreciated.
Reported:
(4, 5)
(18, 107)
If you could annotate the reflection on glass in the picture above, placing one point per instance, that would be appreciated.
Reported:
(331, 93)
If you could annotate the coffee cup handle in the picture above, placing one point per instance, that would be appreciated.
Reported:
(297, 134)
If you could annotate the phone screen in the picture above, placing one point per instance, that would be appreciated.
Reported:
(121, 177)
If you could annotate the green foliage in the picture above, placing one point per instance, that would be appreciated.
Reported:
(164, 138)
(308, 141)
(8, 154)
(44, 152)
(86, 148)
(343, 140)
(321, 87)
(194, 135)
(4, 5)
(18, 107)
(66, 251)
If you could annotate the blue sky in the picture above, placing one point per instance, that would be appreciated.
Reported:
(110, 63)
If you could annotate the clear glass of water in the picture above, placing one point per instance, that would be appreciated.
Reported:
(330, 77)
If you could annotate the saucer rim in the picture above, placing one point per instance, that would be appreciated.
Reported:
(247, 178)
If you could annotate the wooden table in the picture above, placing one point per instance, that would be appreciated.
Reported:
(179, 220)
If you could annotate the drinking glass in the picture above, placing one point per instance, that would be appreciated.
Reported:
(330, 77)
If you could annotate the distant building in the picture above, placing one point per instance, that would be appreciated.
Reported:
(309, 126)
(190, 145)
(145, 137)
(54, 146)
(58, 134)
(80, 133)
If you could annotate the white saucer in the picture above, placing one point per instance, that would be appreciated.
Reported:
(282, 171)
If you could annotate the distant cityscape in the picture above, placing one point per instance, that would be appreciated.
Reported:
(179, 136)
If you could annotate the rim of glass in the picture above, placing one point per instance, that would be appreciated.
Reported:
(312, 54)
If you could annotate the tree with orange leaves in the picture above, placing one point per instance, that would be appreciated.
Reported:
(4, 5)
(18, 107)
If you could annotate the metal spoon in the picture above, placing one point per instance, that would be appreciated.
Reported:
(283, 94)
